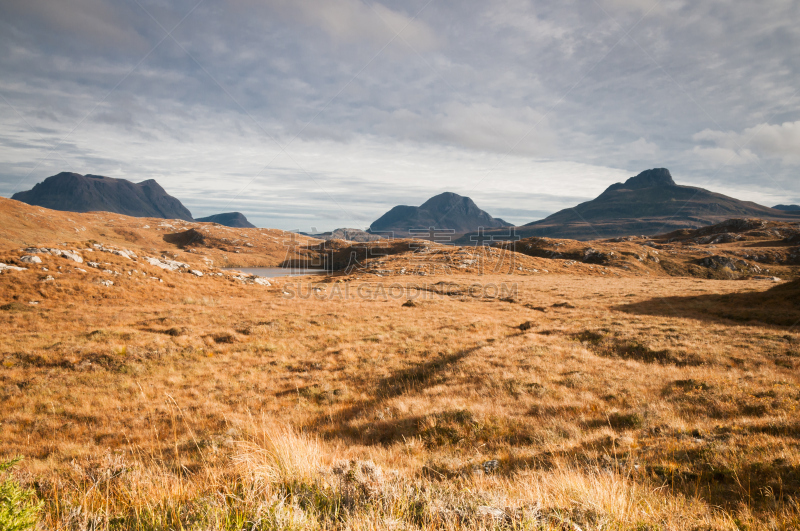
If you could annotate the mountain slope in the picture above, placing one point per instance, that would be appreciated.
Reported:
(73, 192)
(649, 203)
(444, 211)
(787, 208)
(229, 219)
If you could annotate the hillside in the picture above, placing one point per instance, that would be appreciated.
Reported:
(229, 219)
(787, 208)
(446, 211)
(201, 243)
(649, 203)
(73, 192)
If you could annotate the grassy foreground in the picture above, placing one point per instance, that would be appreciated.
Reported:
(623, 403)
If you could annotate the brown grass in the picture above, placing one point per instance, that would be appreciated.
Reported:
(205, 403)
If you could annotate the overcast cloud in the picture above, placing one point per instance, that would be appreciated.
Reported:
(325, 113)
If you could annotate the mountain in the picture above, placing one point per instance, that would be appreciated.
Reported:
(787, 208)
(229, 219)
(73, 192)
(649, 203)
(444, 211)
(353, 235)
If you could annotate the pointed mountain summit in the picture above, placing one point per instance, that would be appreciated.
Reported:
(229, 219)
(73, 192)
(646, 179)
(443, 211)
(649, 203)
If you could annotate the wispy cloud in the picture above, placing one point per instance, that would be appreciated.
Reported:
(365, 118)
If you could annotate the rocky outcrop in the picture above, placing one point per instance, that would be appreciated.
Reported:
(165, 263)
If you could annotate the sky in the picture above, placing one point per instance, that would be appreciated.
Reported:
(319, 114)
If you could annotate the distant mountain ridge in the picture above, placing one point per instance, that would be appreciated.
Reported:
(229, 219)
(649, 203)
(787, 208)
(446, 211)
(73, 192)
(353, 235)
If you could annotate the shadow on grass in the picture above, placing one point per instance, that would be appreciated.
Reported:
(407, 381)
(779, 306)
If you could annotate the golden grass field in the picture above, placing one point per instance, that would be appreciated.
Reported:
(587, 397)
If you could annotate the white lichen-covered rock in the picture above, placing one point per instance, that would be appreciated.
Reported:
(48, 278)
(106, 283)
(261, 281)
(4, 267)
(93, 264)
(31, 259)
(196, 273)
(164, 263)
(69, 255)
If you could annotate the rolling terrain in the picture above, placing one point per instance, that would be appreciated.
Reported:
(629, 383)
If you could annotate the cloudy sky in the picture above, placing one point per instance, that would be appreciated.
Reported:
(325, 113)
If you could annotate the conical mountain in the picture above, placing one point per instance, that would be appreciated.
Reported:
(649, 203)
(446, 211)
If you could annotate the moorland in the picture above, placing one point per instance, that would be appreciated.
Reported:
(630, 383)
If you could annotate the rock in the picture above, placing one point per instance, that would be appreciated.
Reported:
(29, 259)
(563, 305)
(261, 281)
(409, 304)
(719, 262)
(164, 263)
(527, 325)
(48, 278)
(106, 283)
(491, 512)
(125, 254)
(69, 255)
(93, 264)
(593, 256)
(196, 273)
(491, 466)
(4, 267)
